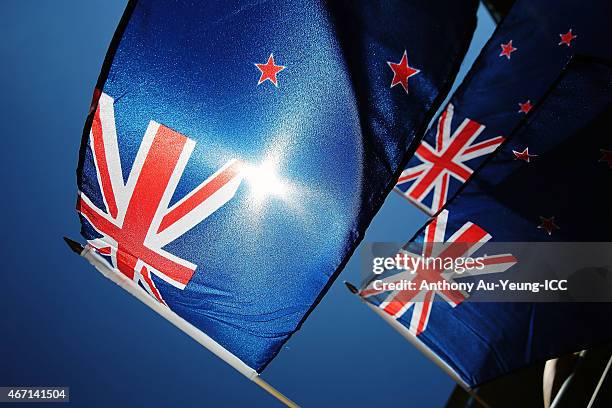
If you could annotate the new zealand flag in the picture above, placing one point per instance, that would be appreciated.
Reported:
(235, 152)
(544, 83)
(515, 69)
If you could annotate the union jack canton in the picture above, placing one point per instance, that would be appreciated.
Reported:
(462, 244)
(139, 220)
(435, 172)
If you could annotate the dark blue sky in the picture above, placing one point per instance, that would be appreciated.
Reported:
(64, 324)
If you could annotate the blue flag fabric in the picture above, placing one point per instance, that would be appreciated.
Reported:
(554, 196)
(235, 152)
(525, 55)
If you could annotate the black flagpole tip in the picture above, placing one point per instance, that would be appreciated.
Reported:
(351, 287)
(75, 246)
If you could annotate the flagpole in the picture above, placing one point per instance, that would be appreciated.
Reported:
(273, 391)
(130, 286)
(600, 383)
(419, 345)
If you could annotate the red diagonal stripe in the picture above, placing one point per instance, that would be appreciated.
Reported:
(101, 224)
(410, 176)
(483, 145)
(200, 195)
(494, 260)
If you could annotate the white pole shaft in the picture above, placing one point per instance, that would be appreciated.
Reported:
(600, 383)
(130, 286)
(273, 391)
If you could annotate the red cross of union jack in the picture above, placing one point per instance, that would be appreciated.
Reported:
(445, 160)
(463, 243)
(138, 221)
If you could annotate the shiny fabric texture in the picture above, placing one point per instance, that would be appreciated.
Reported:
(335, 129)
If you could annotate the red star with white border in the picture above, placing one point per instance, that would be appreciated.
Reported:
(401, 72)
(607, 156)
(567, 38)
(525, 107)
(507, 49)
(269, 71)
(548, 225)
(524, 155)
